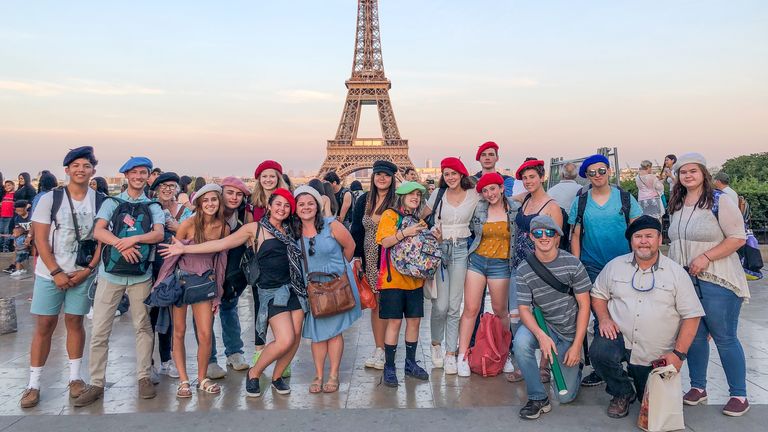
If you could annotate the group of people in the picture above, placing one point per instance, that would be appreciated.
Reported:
(568, 253)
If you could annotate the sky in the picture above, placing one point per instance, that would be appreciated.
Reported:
(213, 88)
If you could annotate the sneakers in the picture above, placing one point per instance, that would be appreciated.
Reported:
(695, 397)
(735, 407)
(215, 371)
(30, 398)
(256, 356)
(376, 360)
(592, 380)
(10, 269)
(146, 389)
(76, 388)
(438, 358)
(508, 366)
(89, 315)
(281, 387)
(619, 406)
(390, 376)
(237, 361)
(154, 375)
(169, 368)
(412, 369)
(252, 387)
(287, 372)
(462, 364)
(534, 408)
(90, 395)
(450, 365)
(18, 273)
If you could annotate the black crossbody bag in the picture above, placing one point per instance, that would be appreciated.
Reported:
(546, 275)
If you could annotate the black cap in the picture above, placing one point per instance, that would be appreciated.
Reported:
(165, 177)
(385, 167)
(20, 204)
(641, 223)
(80, 152)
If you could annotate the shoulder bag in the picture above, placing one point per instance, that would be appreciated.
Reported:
(328, 293)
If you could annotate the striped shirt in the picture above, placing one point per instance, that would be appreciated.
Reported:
(559, 309)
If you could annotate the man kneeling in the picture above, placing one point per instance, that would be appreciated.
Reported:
(565, 308)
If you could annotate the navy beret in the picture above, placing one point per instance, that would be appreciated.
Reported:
(641, 223)
(385, 167)
(164, 177)
(77, 153)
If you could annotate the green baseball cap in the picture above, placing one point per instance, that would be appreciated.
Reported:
(407, 187)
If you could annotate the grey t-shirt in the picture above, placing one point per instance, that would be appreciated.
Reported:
(559, 309)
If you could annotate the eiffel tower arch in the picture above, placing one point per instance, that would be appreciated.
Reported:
(367, 85)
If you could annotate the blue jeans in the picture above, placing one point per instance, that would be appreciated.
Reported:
(607, 357)
(526, 345)
(446, 308)
(722, 309)
(230, 329)
(5, 228)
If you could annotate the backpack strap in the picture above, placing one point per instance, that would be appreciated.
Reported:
(179, 212)
(58, 198)
(580, 209)
(546, 275)
(716, 193)
(626, 204)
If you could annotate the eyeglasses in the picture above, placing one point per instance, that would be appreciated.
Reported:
(653, 280)
(539, 233)
(169, 186)
(594, 173)
(311, 246)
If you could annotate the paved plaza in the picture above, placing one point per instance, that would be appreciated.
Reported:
(443, 403)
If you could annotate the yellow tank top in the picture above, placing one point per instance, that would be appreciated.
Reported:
(495, 241)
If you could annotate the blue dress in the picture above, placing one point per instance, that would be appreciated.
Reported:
(329, 258)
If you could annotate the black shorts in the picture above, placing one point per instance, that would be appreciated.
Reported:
(398, 303)
(293, 304)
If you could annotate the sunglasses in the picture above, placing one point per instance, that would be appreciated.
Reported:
(601, 171)
(312, 246)
(539, 233)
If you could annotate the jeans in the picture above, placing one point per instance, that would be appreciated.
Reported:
(722, 309)
(446, 308)
(230, 329)
(164, 341)
(514, 323)
(259, 341)
(6, 228)
(607, 356)
(526, 345)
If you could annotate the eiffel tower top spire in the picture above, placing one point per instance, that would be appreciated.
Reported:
(368, 63)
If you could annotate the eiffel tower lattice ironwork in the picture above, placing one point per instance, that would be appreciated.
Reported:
(368, 85)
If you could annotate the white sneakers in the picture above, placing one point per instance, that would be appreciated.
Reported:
(237, 361)
(154, 375)
(215, 371)
(376, 360)
(508, 366)
(462, 364)
(450, 365)
(18, 273)
(169, 368)
(437, 356)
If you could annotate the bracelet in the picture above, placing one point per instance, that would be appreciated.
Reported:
(56, 271)
(707, 257)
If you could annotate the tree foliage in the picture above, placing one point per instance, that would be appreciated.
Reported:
(754, 166)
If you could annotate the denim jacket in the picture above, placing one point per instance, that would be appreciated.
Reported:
(481, 216)
(278, 297)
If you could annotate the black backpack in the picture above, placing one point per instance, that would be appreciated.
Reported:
(129, 219)
(583, 195)
(58, 198)
(234, 278)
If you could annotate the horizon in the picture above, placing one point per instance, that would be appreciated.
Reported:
(544, 80)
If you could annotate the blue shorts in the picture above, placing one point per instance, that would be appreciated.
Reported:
(47, 298)
(22, 256)
(491, 268)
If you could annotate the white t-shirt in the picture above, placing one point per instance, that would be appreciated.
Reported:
(63, 239)
(454, 221)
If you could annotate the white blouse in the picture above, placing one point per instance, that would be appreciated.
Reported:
(694, 230)
(454, 221)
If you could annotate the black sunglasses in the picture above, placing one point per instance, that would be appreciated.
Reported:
(601, 171)
(312, 246)
(539, 233)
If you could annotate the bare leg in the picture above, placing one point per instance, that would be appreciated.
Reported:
(474, 285)
(203, 315)
(499, 289)
(378, 325)
(319, 351)
(179, 353)
(282, 328)
(41, 340)
(297, 319)
(335, 351)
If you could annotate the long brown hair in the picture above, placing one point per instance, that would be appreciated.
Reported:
(198, 220)
(465, 183)
(298, 223)
(679, 192)
(373, 197)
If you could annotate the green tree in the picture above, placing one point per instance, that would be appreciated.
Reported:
(754, 166)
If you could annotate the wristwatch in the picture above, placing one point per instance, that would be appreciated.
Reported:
(681, 356)
(91, 268)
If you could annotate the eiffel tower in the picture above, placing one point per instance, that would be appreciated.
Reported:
(348, 153)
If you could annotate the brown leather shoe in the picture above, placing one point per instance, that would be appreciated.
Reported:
(76, 388)
(30, 398)
(91, 394)
(619, 406)
(146, 389)
(735, 407)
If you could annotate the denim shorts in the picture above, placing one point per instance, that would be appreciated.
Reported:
(47, 299)
(22, 256)
(491, 268)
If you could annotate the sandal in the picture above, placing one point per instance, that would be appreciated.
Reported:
(184, 391)
(209, 387)
(316, 386)
(332, 386)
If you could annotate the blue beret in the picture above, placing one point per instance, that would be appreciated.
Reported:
(136, 161)
(590, 161)
(77, 153)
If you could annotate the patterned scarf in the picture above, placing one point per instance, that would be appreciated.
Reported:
(294, 255)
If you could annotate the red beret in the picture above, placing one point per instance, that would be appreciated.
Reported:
(267, 164)
(486, 146)
(525, 166)
(454, 164)
(489, 179)
(285, 193)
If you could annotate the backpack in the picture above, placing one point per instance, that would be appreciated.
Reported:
(234, 278)
(437, 211)
(583, 195)
(491, 348)
(340, 200)
(129, 219)
(58, 198)
(418, 256)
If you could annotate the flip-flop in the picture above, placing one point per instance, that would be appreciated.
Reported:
(332, 386)
(316, 386)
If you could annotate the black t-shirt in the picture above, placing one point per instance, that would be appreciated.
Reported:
(274, 264)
